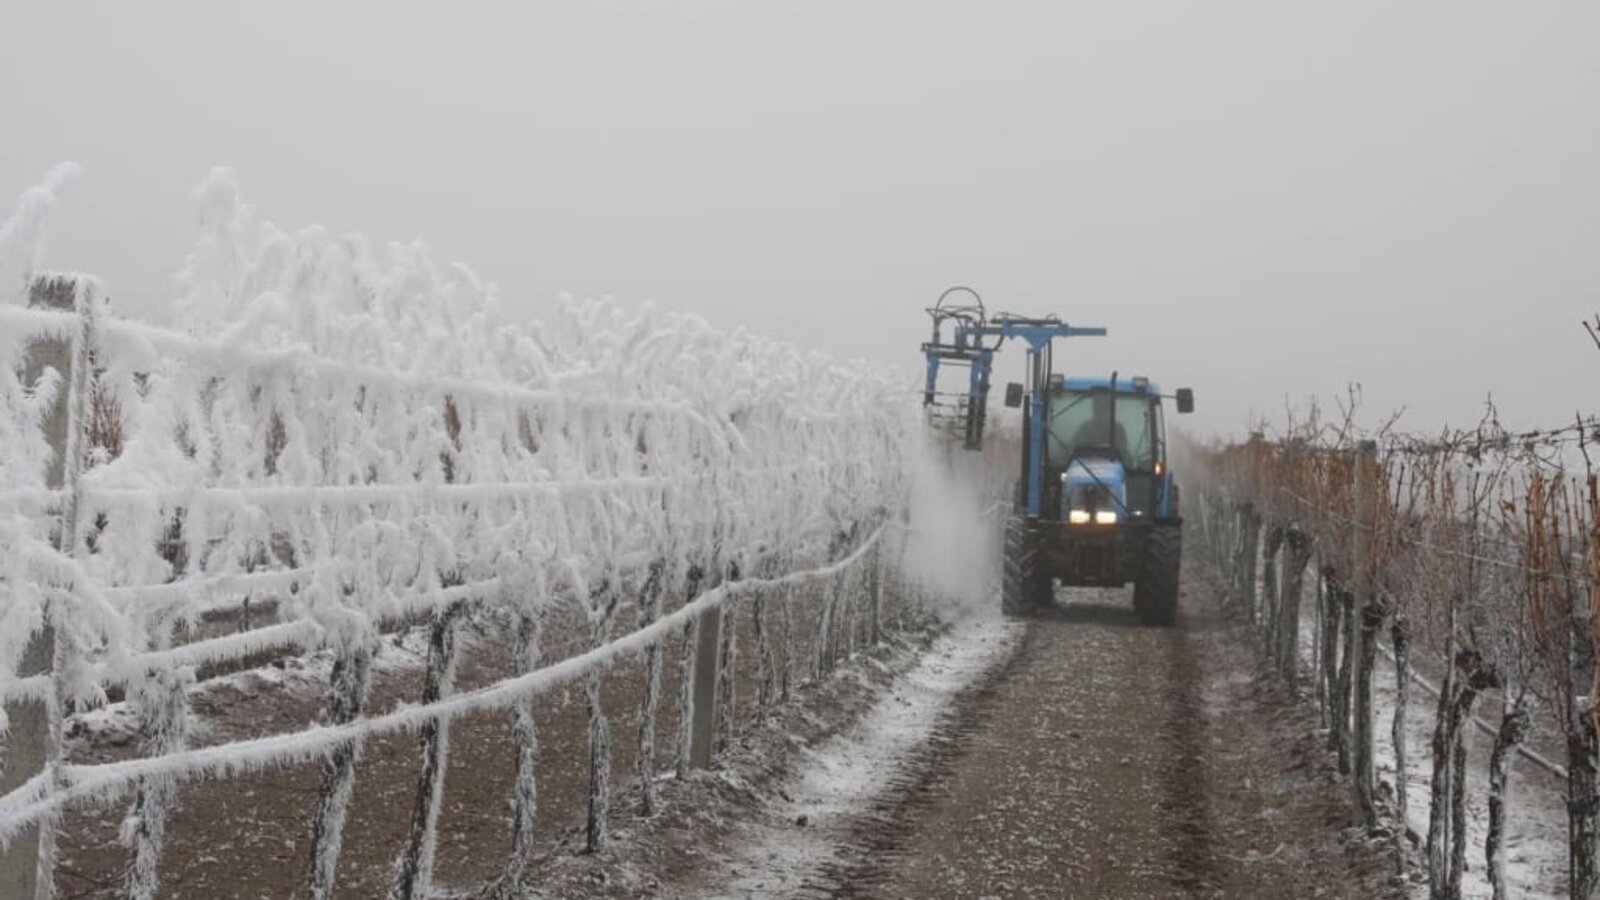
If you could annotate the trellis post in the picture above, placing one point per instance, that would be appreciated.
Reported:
(708, 645)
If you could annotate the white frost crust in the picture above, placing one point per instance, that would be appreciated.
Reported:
(346, 428)
(839, 779)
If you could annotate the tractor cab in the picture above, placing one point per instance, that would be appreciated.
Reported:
(1106, 451)
(1103, 505)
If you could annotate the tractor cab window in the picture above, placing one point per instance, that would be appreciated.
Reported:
(1081, 424)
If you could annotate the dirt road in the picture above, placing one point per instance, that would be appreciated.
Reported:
(1110, 760)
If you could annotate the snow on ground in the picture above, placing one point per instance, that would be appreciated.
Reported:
(1536, 832)
(838, 780)
(116, 724)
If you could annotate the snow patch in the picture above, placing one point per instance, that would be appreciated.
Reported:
(1536, 826)
(838, 780)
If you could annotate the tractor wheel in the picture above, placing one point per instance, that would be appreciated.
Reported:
(1026, 585)
(1155, 590)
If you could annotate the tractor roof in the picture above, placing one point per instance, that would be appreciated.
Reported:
(1126, 384)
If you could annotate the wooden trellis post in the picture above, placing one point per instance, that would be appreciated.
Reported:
(708, 645)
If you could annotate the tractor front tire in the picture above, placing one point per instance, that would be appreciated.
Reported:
(1155, 590)
(1026, 584)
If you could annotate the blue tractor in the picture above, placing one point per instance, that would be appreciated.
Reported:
(1096, 503)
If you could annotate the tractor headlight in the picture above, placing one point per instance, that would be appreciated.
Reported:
(1105, 517)
(1078, 517)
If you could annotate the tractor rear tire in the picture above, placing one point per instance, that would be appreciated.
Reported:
(1155, 590)
(1026, 584)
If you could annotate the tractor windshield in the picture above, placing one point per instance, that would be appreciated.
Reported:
(1080, 424)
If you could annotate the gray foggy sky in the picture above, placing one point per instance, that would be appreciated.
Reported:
(1258, 199)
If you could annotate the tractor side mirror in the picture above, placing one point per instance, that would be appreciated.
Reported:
(1014, 395)
(1185, 400)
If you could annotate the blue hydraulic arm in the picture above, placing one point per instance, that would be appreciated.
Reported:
(973, 340)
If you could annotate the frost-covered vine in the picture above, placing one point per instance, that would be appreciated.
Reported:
(349, 435)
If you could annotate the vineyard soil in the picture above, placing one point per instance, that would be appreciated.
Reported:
(1114, 760)
(1078, 755)
(249, 837)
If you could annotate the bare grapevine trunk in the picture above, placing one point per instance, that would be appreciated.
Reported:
(163, 706)
(1272, 595)
(727, 685)
(1331, 641)
(841, 619)
(1372, 618)
(1475, 678)
(855, 592)
(850, 595)
(823, 631)
(1581, 804)
(1249, 550)
(875, 586)
(347, 698)
(525, 740)
(1287, 650)
(1458, 818)
(1235, 556)
(766, 670)
(1227, 550)
(649, 612)
(414, 873)
(687, 643)
(1208, 527)
(1439, 812)
(1514, 724)
(598, 829)
(1319, 677)
(1345, 688)
(1583, 799)
(1400, 639)
(1442, 745)
(786, 635)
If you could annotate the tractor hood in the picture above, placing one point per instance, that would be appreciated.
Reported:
(1094, 484)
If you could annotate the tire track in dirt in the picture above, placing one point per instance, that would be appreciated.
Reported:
(1093, 713)
(1110, 760)
(1187, 813)
(877, 837)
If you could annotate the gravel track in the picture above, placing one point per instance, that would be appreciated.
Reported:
(1110, 760)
